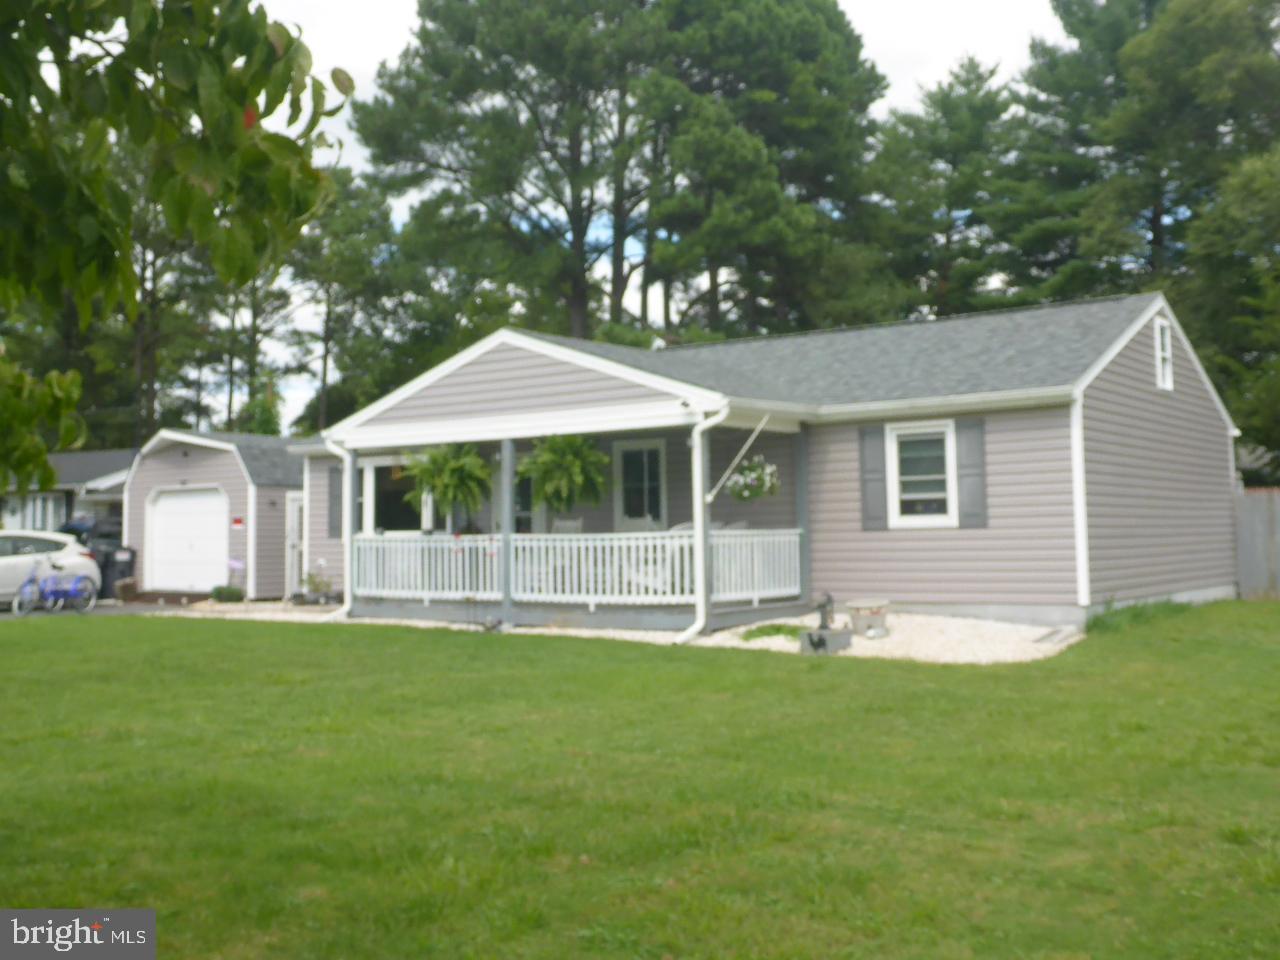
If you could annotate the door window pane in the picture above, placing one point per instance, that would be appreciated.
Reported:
(642, 484)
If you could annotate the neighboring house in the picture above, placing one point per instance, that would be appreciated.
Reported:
(208, 509)
(1034, 463)
(90, 483)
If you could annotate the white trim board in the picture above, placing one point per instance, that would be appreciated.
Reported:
(1080, 505)
(606, 419)
(696, 397)
(251, 548)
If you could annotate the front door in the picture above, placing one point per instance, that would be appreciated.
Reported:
(295, 518)
(639, 485)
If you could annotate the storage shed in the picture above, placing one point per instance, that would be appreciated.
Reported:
(209, 509)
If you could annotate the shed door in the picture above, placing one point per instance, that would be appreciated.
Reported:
(188, 540)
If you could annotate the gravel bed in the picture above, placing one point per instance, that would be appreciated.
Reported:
(912, 636)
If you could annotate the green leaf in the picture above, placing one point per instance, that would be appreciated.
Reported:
(280, 38)
(140, 16)
(342, 81)
(213, 104)
(180, 67)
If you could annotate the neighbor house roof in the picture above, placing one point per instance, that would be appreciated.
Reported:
(980, 353)
(75, 468)
(268, 460)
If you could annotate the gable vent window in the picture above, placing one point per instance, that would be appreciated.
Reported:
(921, 474)
(1164, 354)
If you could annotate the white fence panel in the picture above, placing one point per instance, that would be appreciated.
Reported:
(641, 569)
(754, 565)
(646, 569)
(428, 567)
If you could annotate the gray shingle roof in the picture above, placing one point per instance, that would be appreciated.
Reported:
(1002, 350)
(266, 458)
(75, 467)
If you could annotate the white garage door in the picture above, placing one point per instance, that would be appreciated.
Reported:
(188, 533)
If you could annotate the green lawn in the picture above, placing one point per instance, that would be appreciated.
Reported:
(288, 791)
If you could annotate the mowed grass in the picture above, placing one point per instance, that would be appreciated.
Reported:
(342, 791)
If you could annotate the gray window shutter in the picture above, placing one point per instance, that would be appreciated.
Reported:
(971, 471)
(875, 493)
(335, 503)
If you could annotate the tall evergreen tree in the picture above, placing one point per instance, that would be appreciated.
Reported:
(939, 171)
(335, 268)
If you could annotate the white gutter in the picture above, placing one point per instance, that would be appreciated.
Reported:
(348, 524)
(701, 499)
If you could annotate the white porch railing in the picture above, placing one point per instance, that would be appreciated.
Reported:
(754, 565)
(640, 569)
(616, 568)
(428, 568)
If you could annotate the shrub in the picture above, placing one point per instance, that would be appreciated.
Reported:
(227, 594)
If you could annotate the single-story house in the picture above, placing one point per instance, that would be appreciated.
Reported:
(205, 510)
(90, 483)
(1035, 463)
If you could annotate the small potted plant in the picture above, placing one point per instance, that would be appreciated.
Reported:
(565, 471)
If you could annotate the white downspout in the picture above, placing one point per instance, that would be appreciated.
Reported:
(348, 523)
(701, 589)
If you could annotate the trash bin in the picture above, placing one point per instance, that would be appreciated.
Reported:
(116, 565)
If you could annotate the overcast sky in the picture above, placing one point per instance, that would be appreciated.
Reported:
(914, 43)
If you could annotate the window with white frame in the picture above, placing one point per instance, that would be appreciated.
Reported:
(1164, 354)
(920, 470)
(639, 485)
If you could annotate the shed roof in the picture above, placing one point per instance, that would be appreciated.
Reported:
(268, 460)
(995, 351)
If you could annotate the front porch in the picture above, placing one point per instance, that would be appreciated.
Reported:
(630, 560)
(668, 545)
(617, 578)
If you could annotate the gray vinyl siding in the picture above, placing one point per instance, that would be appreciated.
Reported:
(774, 512)
(1024, 556)
(1157, 479)
(271, 519)
(512, 380)
(324, 553)
(186, 465)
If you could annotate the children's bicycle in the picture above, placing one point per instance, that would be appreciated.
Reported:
(55, 591)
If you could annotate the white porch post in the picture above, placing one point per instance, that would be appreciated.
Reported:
(507, 507)
(348, 523)
(369, 479)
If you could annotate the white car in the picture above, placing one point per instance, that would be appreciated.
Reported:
(24, 552)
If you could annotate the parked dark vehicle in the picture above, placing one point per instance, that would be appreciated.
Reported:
(102, 537)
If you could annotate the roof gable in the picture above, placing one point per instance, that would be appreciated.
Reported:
(512, 374)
